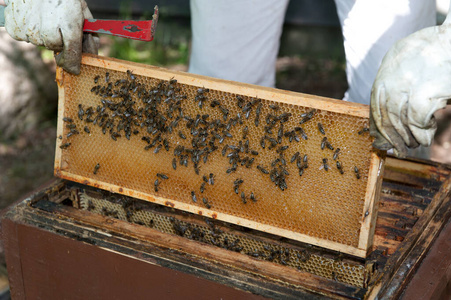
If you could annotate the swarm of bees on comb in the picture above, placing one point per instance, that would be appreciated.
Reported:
(160, 115)
(236, 154)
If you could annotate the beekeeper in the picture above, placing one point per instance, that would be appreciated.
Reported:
(239, 40)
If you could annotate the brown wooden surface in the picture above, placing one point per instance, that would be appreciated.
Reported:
(247, 274)
(56, 267)
(433, 278)
(429, 194)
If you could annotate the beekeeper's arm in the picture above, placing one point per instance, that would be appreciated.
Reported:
(55, 24)
(413, 82)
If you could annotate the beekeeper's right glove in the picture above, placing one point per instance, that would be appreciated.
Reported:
(54, 24)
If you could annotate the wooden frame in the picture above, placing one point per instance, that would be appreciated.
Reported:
(369, 212)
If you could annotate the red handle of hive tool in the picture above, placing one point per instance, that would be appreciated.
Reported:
(136, 30)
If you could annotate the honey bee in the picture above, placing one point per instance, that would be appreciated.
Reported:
(294, 157)
(65, 146)
(162, 176)
(81, 112)
(243, 197)
(357, 172)
(156, 184)
(326, 166)
(211, 179)
(336, 153)
(193, 196)
(364, 129)
(262, 169)
(253, 197)
(321, 128)
(96, 168)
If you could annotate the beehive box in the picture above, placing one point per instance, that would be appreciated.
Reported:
(258, 157)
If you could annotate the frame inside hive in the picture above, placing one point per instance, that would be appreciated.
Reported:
(324, 208)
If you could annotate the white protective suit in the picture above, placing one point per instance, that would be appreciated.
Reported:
(239, 39)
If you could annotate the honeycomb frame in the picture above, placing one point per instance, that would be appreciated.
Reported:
(337, 211)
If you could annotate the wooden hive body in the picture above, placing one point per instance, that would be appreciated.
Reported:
(187, 127)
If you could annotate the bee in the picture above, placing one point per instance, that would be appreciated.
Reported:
(181, 135)
(193, 196)
(301, 171)
(68, 120)
(329, 145)
(205, 201)
(240, 101)
(86, 129)
(248, 113)
(214, 103)
(245, 131)
(96, 168)
(130, 74)
(253, 152)
(60, 137)
(174, 163)
(262, 169)
(202, 90)
(96, 78)
(253, 197)
(321, 128)
(357, 172)
(280, 134)
(364, 129)
(81, 112)
(340, 168)
(336, 153)
(257, 115)
(65, 146)
(243, 197)
(262, 142)
(294, 157)
(211, 179)
(115, 135)
(299, 163)
(224, 150)
(156, 184)
(323, 143)
(107, 76)
(274, 106)
(225, 112)
(202, 187)
(307, 116)
(326, 166)
(162, 176)
(305, 160)
(157, 149)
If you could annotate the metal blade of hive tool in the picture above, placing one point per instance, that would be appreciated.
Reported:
(136, 30)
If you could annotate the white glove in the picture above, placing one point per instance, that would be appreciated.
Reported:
(413, 82)
(55, 24)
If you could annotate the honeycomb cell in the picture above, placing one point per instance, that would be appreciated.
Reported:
(301, 259)
(139, 127)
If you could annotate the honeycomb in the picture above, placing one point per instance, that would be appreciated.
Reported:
(257, 159)
(349, 272)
